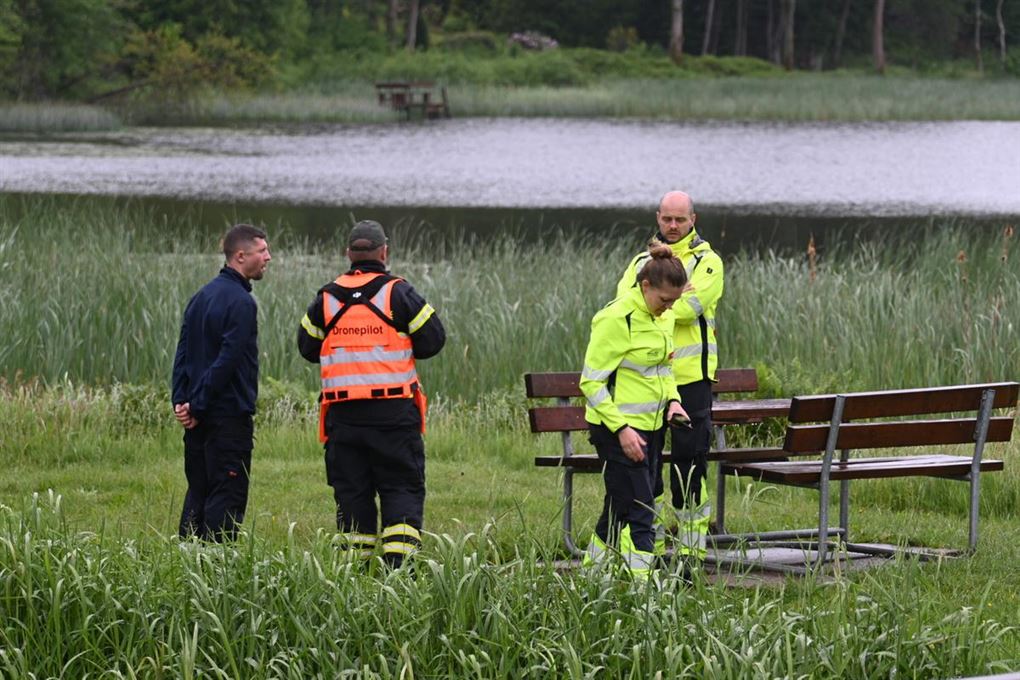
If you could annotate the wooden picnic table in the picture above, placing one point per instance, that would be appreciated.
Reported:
(408, 96)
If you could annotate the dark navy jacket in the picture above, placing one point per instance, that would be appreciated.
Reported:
(216, 367)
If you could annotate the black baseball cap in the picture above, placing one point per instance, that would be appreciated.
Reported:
(366, 235)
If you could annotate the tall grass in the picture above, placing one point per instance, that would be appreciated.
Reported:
(81, 603)
(94, 293)
(55, 117)
(800, 97)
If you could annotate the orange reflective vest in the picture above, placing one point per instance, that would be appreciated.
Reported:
(363, 355)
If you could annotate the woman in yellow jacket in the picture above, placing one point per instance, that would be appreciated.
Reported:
(631, 392)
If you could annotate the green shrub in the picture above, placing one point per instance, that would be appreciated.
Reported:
(483, 42)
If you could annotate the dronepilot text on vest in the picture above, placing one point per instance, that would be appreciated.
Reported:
(360, 330)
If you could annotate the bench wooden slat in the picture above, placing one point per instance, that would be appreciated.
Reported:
(590, 461)
(565, 384)
(571, 418)
(893, 403)
(744, 411)
(809, 472)
(807, 439)
(557, 418)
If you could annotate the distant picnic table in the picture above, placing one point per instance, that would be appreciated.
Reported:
(411, 96)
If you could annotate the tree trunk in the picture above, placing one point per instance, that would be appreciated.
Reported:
(1002, 32)
(877, 35)
(770, 32)
(709, 15)
(412, 23)
(676, 39)
(391, 22)
(837, 49)
(977, 36)
(740, 43)
(789, 10)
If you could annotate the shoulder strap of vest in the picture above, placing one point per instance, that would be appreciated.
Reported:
(346, 298)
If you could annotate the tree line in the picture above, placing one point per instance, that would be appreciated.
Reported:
(93, 49)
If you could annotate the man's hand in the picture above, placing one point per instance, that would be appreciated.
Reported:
(183, 414)
(633, 444)
(688, 288)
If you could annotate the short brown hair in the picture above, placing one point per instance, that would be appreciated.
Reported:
(240, 236)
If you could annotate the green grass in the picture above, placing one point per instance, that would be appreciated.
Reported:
(93, 582)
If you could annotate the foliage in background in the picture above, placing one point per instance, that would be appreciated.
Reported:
(86, 49)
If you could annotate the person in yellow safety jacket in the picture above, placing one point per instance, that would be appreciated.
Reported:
(630, 392)
(696, 357)
(366, 330)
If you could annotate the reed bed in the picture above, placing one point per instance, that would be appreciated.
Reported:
(56, 117)
(799, 97)
(93, 293)
(83, 604)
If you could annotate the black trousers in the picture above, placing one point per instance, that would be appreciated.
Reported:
(689, 447)
(217, 460)
(365, 462)
(631, 488)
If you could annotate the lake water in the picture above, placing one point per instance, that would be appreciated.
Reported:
(487, 173)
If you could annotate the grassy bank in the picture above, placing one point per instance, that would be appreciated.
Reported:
(933, 307)
(799, 97)
(94, 583)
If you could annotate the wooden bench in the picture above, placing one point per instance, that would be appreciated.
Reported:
(850, 422)
(566, 417)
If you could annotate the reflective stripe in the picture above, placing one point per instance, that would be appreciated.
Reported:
(354, 537)
(379, 299)
(711, 323)
(596, 551)
(692, 534)
(374, 379)
(344, 356)
(400, 548)
(401, 530)
(419, 320)
(312, 330)
(590, 373)
(687, 351)
(638, 409)
(332, 306)
(599, 397)
(696, 305)
(655, 371)
(639, 561)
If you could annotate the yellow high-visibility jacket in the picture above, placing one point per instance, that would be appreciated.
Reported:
(696, 353)
(627, 379)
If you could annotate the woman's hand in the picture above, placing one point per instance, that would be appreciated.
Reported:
(632, 443)
(675, 409)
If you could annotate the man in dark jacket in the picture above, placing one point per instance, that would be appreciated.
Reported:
(215, 386)
(366, 330)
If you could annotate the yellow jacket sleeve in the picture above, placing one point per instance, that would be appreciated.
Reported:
(606, 349)
(707, 280)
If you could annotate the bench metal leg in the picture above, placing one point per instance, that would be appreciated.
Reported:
(844, 498)
(987, 399)
(720, 483)
(823, 486)
(568, 513)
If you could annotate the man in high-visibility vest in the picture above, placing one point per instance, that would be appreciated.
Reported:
(366, 330)
(696, 357)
